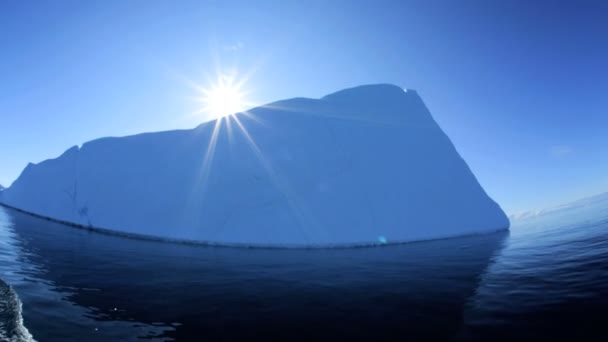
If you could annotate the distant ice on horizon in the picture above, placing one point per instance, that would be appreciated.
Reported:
(582, 202)
(366, 165)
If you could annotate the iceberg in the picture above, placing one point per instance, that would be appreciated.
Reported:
(363, 166)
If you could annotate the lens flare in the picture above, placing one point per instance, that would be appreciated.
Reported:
(223, 98)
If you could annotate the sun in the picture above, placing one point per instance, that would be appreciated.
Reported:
(223, 98)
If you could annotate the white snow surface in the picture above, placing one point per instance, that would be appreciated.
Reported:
(365, 165)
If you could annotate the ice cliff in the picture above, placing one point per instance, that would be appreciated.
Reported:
(360, 166)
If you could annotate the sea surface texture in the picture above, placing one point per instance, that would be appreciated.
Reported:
(546, 278)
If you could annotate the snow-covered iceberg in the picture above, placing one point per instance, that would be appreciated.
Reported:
(360, 166)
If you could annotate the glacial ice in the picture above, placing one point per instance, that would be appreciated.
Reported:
(366, 165)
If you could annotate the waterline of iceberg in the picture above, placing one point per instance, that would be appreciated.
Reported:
(115, 232)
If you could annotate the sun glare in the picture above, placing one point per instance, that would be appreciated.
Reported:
(223, 98)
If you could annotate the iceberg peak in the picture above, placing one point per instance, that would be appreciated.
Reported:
(368, 93)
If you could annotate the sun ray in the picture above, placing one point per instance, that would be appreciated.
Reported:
(305, 221)
(198, 194)
(203, 174)
(229, 128)
(223, 96)
(255, 118)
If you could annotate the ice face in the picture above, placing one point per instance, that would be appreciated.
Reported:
(365, 165)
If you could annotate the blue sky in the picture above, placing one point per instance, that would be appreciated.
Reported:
(521, 87)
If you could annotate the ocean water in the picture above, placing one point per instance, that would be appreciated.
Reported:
(545, 278)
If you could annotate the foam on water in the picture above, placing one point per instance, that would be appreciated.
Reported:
(11, 320)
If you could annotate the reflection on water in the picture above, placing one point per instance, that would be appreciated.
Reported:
(48, 302)
(82, 286)
(549, 280)
(548, 277)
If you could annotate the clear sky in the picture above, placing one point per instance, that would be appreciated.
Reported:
(521, 87)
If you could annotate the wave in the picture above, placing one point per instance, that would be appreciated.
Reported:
(11, 320)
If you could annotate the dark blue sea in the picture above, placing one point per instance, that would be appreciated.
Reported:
(545, 278)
